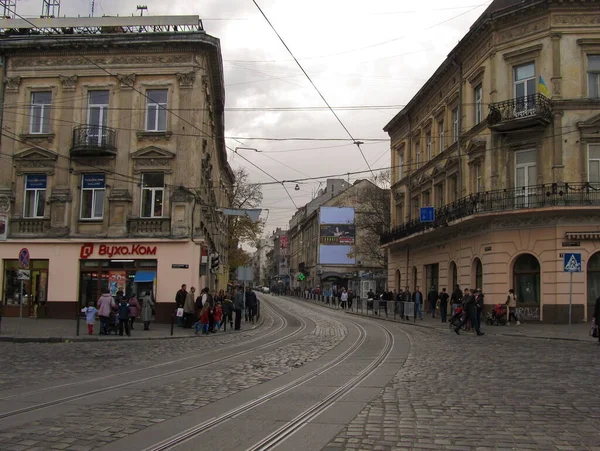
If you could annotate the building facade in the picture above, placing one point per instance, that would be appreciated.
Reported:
(504, 141)
(113, 159)
(260, 261)
(278, 269)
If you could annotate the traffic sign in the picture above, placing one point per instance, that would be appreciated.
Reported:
(23, 274)
(24, 258)
(572, 262)
(427, 214)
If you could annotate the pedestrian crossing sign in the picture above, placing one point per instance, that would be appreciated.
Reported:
(572, 262)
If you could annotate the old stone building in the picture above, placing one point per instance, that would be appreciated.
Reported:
(504, 141)
(113, 159)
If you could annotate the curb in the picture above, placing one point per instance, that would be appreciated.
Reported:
(536, 337)
(97, 339)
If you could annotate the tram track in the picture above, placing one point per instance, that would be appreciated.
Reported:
(87, 394)
(294, 425)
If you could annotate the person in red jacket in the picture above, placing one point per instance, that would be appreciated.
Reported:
(205, 318)
(218, 315)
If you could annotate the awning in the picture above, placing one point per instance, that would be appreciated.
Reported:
(144, 276)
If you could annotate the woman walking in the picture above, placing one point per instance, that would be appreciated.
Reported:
(511, 301)
(189, 308)
(147, 307)
(134, 310)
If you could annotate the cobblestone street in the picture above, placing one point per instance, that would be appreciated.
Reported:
(484, 393)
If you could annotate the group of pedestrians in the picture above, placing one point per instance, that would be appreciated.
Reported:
(119, 312)
(209, 312)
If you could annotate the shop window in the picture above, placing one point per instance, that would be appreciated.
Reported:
(156, 110)
(594, 76)
(92, 196)
(40, 112)
(34, 290)
(35, 195)
(153, 190)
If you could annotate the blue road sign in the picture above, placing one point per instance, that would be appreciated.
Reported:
(24, 258)
(427, 214)
(572, 262)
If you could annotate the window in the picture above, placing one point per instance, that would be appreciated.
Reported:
(92, 196)
(40, 112)
(478, 181)
(441, 136)
(35, 195)
(97, 117)
(594, 76)
(399, 215)
(524, 80)
(156, 110)
(418, 154)
(478, 104)
(153, 189)
(426, 199)
(400, 165)
(428, 145)
(415, 207)
(439, 195)
(453, 186)
(525, 176)
(455, 125)
(594, 163)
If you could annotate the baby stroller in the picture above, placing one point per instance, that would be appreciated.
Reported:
(457, 318)
(497, 317)
(112, 326)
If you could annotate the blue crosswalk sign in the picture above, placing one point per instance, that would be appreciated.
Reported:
(427, 214)
(572, 262)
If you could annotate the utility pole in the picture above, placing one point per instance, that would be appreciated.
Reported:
(141, 9)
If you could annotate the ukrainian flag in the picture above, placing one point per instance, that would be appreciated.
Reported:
(542, 88)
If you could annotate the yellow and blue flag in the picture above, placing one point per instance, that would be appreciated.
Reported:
(542, 88)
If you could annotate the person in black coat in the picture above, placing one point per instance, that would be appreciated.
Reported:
(597, 316)
(470, 308)
(432, 298)
(417, 298)
(443, 304)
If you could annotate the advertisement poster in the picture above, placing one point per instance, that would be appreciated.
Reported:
(3, 226)
(338, 234)
(117, 281)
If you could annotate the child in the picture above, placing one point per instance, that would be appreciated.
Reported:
(218, 315)
(123, 310)
(90, 316)
(204, 318)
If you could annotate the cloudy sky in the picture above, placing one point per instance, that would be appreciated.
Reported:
(368, 58)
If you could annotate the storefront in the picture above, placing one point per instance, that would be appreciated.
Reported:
(66, 275)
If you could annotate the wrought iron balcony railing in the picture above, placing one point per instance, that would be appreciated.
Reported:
(93, 140)
(529, 197)
(531, 110)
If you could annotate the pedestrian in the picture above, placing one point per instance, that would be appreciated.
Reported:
(432, 297)
(344, 298)
(417, 298)
(123, 310)
(90, 316)
(105, 304)
(238, 306)
(443, 304)
(407, 299)
(479, 305)
(134, 310)
(596, 317)
(147, 310)
(189, 308)
(456, 298)
(470, 309)
(210, 298)
(180, 298)
(218, 315)
(203, 320)
(227, 313)
(511, 301)
(251, 304)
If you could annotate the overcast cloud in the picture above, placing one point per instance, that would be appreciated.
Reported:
(358, 53)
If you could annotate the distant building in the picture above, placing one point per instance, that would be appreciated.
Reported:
(114, 160)
(259, 262)
(503, 140)
(278, 261)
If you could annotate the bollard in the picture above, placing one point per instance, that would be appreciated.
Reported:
(173, 321)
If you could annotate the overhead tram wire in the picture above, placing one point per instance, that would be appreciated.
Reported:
(357, 143)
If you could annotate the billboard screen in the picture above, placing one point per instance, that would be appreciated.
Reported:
(337, 236)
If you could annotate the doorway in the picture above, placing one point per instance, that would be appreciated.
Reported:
(525, 177)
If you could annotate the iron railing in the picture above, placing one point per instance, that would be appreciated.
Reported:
(94, 140)
(528, 197)
(534, 105)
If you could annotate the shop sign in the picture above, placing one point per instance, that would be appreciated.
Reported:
(105, 250)
(180, 266)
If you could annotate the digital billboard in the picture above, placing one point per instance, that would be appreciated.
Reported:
(337, 236)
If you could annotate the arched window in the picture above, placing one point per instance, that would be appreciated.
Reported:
(453, 276)
(477, 274)
(414, 278)
(593, 282)
(526, 276)
(398, 280)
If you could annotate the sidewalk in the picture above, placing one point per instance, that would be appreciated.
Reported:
(61, 330)
(578, 332)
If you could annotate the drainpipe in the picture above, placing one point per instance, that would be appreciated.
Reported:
(2, 90)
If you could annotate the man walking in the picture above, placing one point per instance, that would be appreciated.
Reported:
(251, 304)
(469, 305)
(180, 298)
(417, 298)
(238, 306)
(444, 304)
(406, 298)
(479, 303)
(432, 297)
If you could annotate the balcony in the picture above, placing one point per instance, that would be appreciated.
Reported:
(32, 227)
(524, 112)
(526, 198)
(149, 226)
(94, 141)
